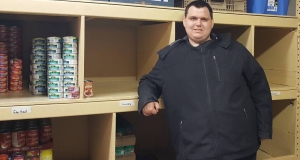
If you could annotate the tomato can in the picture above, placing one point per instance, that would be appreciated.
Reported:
(4, 157)
(88, 88)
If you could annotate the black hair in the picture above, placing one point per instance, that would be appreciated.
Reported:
(199, 4)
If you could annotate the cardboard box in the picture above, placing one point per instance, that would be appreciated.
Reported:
(125, 140)
(169, 3)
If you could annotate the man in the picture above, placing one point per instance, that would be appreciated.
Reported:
(216, 96)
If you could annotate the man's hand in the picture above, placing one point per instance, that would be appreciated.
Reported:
(151, 108)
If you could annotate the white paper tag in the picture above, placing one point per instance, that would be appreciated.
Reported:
(21, 110)
(272, 6)
(127, 103)
(275, 93)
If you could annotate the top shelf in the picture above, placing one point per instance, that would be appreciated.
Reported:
(96, 9)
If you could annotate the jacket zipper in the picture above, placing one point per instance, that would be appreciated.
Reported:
(181, 141)
(209, 103)
(246, 116)
(215, 59)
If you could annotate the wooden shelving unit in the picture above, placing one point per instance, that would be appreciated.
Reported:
(117, 45)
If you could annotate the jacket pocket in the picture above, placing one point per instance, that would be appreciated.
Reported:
(217, 68)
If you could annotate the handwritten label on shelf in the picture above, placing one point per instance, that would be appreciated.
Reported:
(275, 93)
(127, 103)
(21, 110)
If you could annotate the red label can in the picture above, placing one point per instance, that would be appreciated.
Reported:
(18, 139)
(46, 134)
(32, 138)
(5, 140)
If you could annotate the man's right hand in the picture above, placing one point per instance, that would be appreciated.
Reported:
(151, 108)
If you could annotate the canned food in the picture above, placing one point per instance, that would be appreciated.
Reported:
(39, 81)
(3, 62)
(55, 95)
(56, 73)
(55, 61)
(70, 73)
(70, 61)
(40, 87)
(38, 51)
(53, 45)
(70, 67)
(14, 39)
(53, 51)
(69, 56)
(14, 34)
(3, 79)
(69, 45)
(15, 61)
(70, 78)
(15, 77)
(3, 28)
(3, 68)
(88, 88)
(69, 50)
(73, 83)
(36, 71)
(39, 61)
(73, 95)
(16, 72)
(4, 156)
(15, 88)
(3, 90)
(15, 45)
(38, 46)
(38, 41)
(37, 56)
(55, 89)
(70, 39)
(14, 29)
(3, 73)
(120, 151)
(55, 78)
(16, 83)
(53, 40)
(56, 84)
(39, 92)
(3, 56)
(3, 84)
(54, 56)
(37, 76)
(18, 156)
(38, 66)
(33, 153)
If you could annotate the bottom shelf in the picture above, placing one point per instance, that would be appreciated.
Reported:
(261, 155)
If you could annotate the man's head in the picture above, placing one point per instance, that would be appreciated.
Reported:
(198, 21)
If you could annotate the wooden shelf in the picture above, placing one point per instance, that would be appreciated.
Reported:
(98, 9)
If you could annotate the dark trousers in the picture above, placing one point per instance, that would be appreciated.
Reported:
(251, 157)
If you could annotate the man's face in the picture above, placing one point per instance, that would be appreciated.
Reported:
(198, 25)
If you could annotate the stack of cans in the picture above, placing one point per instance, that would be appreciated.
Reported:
(3, 59)
(70, 67)
(38, 67)
(15, 56)
(55, 67)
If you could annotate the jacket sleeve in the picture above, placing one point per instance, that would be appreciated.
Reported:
(260, 94)
(149, 89)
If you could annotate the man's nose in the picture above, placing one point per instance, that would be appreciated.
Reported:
(198, 22)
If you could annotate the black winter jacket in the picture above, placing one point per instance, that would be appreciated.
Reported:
(216, 96)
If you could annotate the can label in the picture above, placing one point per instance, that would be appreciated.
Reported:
(53, 45)
(38, 46)
(3, 68)
(18, 139)
(55, 78)
(46, 154)
(53, 40)
(55, 61)
(39, 87)
(3, 79)
(16, 72)
(69, 56)
(55, 73)
(70, 78)
(70, 39)
(32, 138)
(3, 56)
(39, 61)
(37, 71)
(3, 62)
(39, 81)
(16, 83)
(37, 56)
(53, 51)
(70, 51)
(38, 66)
(73, 83)
(38, 76)
(69, 45)
(39, 92)
(88, 88)
(38, 51)
(70, 61)
(54, 56)
(3, 90)
(55, 84)
(5, 140)
(70, 73)
(55, 89)
(33, 153)
(55, 95)
(3, 73)
(39, 40)
(55, 67)
(70, 67)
